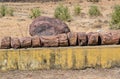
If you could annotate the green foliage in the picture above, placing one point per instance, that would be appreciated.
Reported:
(62, 12)
(94, 11)
(10, 12)
(35, 12)
(77, 10)
(115, 20)
(6, 11)
(3, 10)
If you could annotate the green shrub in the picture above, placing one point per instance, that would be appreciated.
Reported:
(94, 11)
(62, 12)
(77, 10)
(10, 12)
(3, 10)
(115, 20)
(6, 11)
(35, 13)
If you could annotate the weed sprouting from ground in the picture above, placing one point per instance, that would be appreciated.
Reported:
(35, 13)
(62, 12)
(115, 19)
(94, 11)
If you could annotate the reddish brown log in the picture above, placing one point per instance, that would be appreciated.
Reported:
(49, 41)
(82, 39)
(63, 40)
(93, 38)
(15, 43)
(6, 43)
(36, 41)
(72, 38)
(26, 42)
(109, 38)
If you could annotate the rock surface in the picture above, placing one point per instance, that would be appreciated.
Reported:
(82, 39)
(6, 42)
(45, 26)
(49, 41)
(110, 38)
(93, 38)
(36, 41)
(63, 40)
(15, 43)
(72, 38)
(116, 37)
(26, 42)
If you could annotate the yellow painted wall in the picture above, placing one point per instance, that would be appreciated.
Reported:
(60, 58)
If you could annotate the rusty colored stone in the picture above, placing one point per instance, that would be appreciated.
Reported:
(93, 38)
(45, 26)
(116, 37)
(110, 38)
(49, 41)
(36, 41)
(15, 43)
(82, 39)
(6, 43)
(26, 42)
(72, 38)
(63, 40)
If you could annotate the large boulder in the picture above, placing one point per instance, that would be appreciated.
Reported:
(45, 26)
(49, 41)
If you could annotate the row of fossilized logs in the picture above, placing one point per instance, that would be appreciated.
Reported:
(69, 39)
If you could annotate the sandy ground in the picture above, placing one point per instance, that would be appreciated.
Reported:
(18, 25)
(63, 74)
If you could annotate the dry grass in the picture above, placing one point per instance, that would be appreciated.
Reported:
(18, 25)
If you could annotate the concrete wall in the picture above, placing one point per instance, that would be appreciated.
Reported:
(60, 58)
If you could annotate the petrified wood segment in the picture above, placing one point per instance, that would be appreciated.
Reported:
(72, 38)
(93, 38)
(6, 42)
(109, 38)
(49, 41)
(26, 42)
(63, 40)
(82, 39)
(36, 41)
(15, 43)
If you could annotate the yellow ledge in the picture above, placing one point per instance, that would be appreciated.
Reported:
(60, 58)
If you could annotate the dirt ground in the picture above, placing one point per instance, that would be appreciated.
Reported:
(63, 74)
(18, 25)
